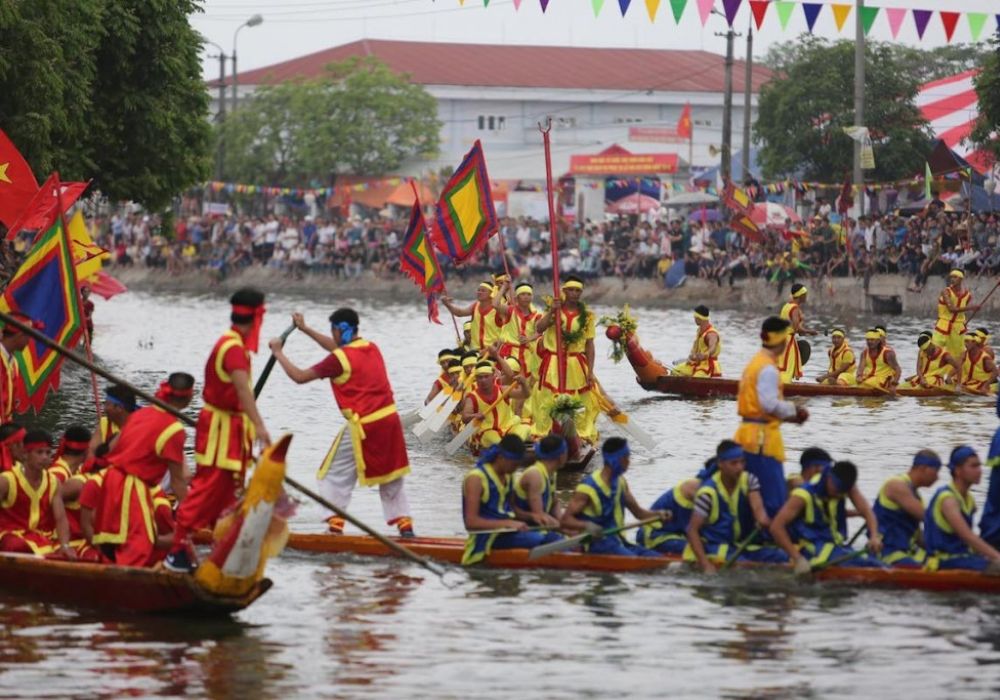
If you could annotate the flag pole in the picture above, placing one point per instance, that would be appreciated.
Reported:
(553, 239)
(79, 298)
(430, 248)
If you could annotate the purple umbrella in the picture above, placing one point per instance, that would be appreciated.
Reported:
(704, 215)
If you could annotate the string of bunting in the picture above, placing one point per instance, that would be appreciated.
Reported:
(241, 188)
(811, 12)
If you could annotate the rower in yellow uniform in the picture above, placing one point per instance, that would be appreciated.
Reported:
(445, 360)
(984, 340)
(577, 325)
(790, 361)
(486, 321)
(518, 334)
(935, 365)
(979, 371)
(953, 303)
(535, 489)
(842, 364)
(703, 360)
(488, 404)
(762, 409)
(878, 367)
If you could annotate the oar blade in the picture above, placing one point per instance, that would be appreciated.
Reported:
(460, 439)
(543, 550)
(641, 436)
(410, 419)
(434, 405)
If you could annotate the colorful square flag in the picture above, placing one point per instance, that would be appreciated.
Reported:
(466, 217)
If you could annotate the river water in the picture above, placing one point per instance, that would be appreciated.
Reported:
(345, 627)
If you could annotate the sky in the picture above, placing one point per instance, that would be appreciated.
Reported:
(293, 28)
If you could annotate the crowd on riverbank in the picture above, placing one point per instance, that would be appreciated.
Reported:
(917, 246)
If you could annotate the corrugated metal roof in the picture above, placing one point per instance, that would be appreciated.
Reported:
(557, 67)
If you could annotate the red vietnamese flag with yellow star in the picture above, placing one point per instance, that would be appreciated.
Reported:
(17, 183)
(684, 125)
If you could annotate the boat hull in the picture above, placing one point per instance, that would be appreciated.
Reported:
(449, 550)
(112, 587)
(687, 386)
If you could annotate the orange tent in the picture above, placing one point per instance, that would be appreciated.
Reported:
(368, 192)
(402, 196)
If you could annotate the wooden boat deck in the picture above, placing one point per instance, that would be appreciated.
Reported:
(687, 386)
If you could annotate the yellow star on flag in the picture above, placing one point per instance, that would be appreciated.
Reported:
(3, 173)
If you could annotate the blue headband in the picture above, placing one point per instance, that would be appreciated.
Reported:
(960, 455)
(926, 461)
(118, 402)
(708, 470)
(824, 463)
(837, 483)
(491, 453)
(554, 454)
(347, 331)
(732, 453)
(614, 459)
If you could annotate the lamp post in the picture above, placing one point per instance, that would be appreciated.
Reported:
(990, 186)
(220, 115)
(254, 21)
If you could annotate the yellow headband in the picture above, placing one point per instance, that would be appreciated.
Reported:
(775, 337)
(514, 365)
(470, 361)
(873, 335)
(483, 371)
(957, 273)
(524, 289)
(974, 337)
(455, 369)
(449, 357)
(487, 286)
(882, 333)
(572, 284)
(983, 336)
(802, 292)
(700, 317)
(837, 332)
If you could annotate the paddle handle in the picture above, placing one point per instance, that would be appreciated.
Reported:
(741, 548)
(262, 380)
(982, 303)
(835, 562)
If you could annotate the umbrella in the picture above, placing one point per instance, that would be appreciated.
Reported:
(693, 198)
(627, 205)
(675, 275)
(704, 215)
(773, 215)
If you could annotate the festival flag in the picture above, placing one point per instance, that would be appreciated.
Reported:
(846, 199)
(466, 217)
(17, 182)
(736, 199)
(623, 6)
(418, 261)
(652, 7)
(784, 9)
(44, 288)
(744, 225)
(731, 7)
(840, 15)
(920, 19)
(811, 11)
(949, 20)
(977, 20)
(896, 16)
(684, 129)
(759, 9)
(677, 6)
(597, 5)
(42, 209)
(545, 5)
(705, 10)
(868, 16)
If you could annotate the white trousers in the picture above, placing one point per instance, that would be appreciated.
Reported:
(338, 483)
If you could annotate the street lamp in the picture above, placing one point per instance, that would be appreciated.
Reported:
(220, 116)
(990, 186)
(252, 22)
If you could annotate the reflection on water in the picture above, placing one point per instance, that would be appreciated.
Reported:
(354, 628)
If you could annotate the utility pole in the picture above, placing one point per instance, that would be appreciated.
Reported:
(220, 155)
(727, 110)
(747, 80)
(859, 98)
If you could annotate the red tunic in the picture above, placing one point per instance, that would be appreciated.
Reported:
(9, 375)
(224, 436)
(361, 387)
(26, 520)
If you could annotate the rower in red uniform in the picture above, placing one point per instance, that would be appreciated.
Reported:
(119, 404)
(150, 446)
(227, 426)
(32, 516)
(73, 450)
(12, 340)
(370, 448)
(11, 445)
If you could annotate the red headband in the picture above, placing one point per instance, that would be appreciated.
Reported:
(36, 445)
(166, 392)
(77, 445)
(252, 339)
(14, 437)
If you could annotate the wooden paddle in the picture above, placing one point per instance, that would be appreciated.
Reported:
(470, 427)
(570, 542)
(262, 380)
(741, 548)
(842, 559)
(607, 406)
(982, 303)
(188, 420)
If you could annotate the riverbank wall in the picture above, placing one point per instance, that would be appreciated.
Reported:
(885, 295)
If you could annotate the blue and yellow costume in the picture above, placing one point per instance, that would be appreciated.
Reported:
(819, 529)
(989, 523)
(945, 549)
(548, 480)
(668, 537)
(899, 529)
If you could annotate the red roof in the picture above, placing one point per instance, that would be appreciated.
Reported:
(486, 65)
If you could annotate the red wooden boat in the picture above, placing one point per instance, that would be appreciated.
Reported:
(652, 375)
(449, 550)
(116, 587)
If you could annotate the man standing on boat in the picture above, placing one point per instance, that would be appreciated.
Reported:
(790, 360)
(370, 448)
(486, 319)
(227, 426)
(762, 409)
(703, 361)
(953, 303)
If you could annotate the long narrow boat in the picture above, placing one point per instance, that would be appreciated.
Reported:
(124, 588)
(449, 550)
(652, 375)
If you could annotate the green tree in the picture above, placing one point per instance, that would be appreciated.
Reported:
(804, 109)
(987, 84)
(106, 89)
(359, 118)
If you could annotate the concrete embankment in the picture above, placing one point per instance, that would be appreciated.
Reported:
(886, 294)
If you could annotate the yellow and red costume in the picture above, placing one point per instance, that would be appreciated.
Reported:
(150, 441)
(710, 366)
(27, 523)
(950, 327)
(790, 361)
(486, 326)
(936, 370)
(843, 357)
(499, 417)
(521, 323)
(975, 376)
(9, 376)
(875, 371)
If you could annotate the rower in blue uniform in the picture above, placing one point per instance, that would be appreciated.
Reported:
(948, 535)
(806, 526)
(989, 523)
(726, 507)
(486, 504)
(671, 537)
(900, 511)
(600, 501)
(535, 488)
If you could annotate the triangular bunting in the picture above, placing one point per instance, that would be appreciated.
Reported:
(678, 8)
(652, 7)
(623, 6)
(704, 10)
(811, 11)
(759, 9)
(517, 5)
(949, 20)
(920, 19)
(840, 13)
(784, 9)
(868, 15)
(977, 20)
(597, 5)
(731, 7)
(896, 16)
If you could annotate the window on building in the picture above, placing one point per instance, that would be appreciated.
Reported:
(564, 122)
(482, 122)
(492, 122)
(627, 120)
(501, 123)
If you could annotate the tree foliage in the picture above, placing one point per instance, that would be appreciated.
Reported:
(987, 84)
(359, 118)
(804, 109)
(106, 89)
